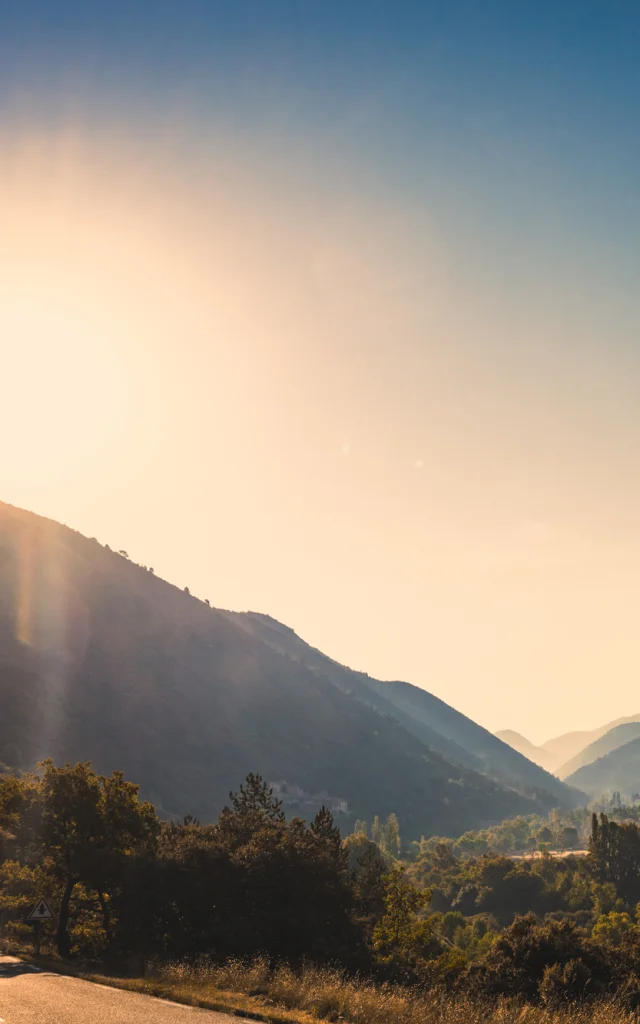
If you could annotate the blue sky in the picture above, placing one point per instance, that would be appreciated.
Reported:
(504, 108)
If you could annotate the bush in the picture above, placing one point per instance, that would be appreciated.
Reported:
(562, 984)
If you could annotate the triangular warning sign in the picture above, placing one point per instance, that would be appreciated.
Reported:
(41, 912)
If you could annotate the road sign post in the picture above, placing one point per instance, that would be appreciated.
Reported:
(41, 912)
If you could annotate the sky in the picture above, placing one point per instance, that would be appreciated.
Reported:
(330, 310)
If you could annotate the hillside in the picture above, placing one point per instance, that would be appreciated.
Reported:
(101, 660)
(528, 749)
(614, 738)
(618, 771)
(427, 717)
(569, 744)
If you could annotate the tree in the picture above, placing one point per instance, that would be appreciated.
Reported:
(20, 816)
(520, 957)
(568, 837)
(127, 826)
(402, 901)
(90, 825)
(390, 839)
(368, 867)
(615, 856)
(376, 830)
(614, 927)
(253, 806)
(70, 821)
(324, 827)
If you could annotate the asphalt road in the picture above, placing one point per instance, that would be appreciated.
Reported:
(29, 996)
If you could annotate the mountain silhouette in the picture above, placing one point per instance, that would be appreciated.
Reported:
(101, 660)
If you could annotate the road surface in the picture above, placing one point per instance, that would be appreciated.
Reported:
(29, 996)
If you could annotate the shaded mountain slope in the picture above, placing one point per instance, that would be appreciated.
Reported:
(614, 738)
(618, 771)
(101, 660)
(427, 717)
(538, 755)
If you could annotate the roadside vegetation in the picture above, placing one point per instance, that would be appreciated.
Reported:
(284, 996)
(286, 919)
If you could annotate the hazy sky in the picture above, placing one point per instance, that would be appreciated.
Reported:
(331, 310)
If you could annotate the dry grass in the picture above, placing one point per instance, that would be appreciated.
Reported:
(318, 994)
(283, 996)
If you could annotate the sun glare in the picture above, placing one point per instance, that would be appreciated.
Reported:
(67, 319)
(63, 399)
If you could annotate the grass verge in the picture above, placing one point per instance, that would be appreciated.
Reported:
(283, 996)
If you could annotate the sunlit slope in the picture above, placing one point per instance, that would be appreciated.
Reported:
(433, 721)
(101, 660)
(570, 744)
(614, 738)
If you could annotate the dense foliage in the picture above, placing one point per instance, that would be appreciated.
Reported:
(123, 883)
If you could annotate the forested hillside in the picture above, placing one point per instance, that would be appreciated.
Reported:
(101, 660)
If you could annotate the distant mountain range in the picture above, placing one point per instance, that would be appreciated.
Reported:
(539, 755)
(600, 760)
(569, 744)
(618, 771)
(615, 737)
(102, 660)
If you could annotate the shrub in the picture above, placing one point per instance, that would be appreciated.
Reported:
(562, 984)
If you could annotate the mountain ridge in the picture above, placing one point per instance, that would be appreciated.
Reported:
(450, 733)
(617, 771)
(102, 660)
(530, 750)
(569, 744)
(616, 737)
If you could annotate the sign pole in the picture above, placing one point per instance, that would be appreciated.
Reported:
(37, 926)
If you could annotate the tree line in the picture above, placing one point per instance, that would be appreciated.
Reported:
(125, 884)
